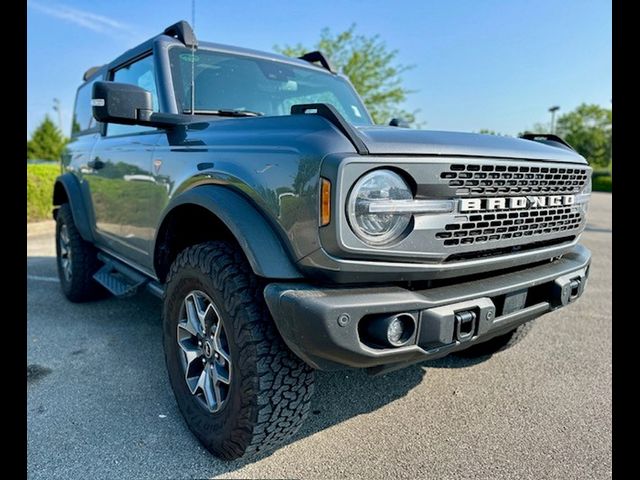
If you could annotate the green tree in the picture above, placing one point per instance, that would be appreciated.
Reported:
(487, 131)
(370, 66)
(47, 142)
(588, 129)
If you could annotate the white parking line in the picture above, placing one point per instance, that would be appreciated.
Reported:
(43, 279)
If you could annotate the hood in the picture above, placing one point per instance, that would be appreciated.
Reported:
(384, 140)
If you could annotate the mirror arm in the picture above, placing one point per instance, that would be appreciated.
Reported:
(162, 120)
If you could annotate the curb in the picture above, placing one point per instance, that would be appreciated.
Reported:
(41, 228)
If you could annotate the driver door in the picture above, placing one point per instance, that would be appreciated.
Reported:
(121, 178)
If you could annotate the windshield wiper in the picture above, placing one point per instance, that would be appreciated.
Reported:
(225, 113)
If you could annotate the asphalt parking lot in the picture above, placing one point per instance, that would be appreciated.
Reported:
(99, 404)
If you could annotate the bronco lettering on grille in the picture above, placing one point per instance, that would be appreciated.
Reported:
(514, 203)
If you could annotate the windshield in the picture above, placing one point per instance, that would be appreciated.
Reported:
(264, 87)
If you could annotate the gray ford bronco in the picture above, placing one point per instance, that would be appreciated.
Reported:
(285, 232)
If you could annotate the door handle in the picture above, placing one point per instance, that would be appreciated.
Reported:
(96, 164)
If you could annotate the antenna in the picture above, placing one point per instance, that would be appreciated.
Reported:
(193, 59)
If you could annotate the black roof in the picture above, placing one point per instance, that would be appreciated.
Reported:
(180, 33)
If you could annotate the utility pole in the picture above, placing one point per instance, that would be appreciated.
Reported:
(56, 108)
(553, 111)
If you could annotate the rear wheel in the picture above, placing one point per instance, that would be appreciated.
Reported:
(77, 260)
(238, 386)
(497, 344)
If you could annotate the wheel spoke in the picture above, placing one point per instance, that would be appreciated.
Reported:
(191, 356)
(64, 235)
(223, 376)
(200, 311)
(188, 327)
(217, 393)
(190, 352)
(209, 394)
(193, 318)
(65, 252)
(217, 340)
(211, 311)
(202, 381)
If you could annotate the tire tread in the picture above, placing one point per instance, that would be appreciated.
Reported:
(85, 263)
(277, 400)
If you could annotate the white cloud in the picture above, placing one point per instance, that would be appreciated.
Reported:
(89, 20)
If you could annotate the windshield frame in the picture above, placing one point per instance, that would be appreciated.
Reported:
(176, 79)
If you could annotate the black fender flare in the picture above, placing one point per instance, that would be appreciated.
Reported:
(261, 245)
(68, 185)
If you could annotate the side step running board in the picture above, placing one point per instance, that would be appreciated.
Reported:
(122, 280)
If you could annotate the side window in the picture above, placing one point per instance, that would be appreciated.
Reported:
(83, 121)
(142, 74)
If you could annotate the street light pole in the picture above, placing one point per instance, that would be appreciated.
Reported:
(553, 111)
(56, 108)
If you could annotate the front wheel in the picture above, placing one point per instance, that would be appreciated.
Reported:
(238, 386)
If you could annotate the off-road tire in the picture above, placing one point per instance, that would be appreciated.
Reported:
(270, 389)
(497, 344)
(80, 287)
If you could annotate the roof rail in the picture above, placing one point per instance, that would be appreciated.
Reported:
(183, 32)
(547, 138)
(91, 72)
(318, 56)
(180, 30)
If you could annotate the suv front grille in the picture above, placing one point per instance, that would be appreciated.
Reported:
(538, 206)
(489, 227)
(476, 179)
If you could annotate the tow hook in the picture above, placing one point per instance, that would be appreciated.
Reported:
(569, 287)
(465, 325)
(575, 287)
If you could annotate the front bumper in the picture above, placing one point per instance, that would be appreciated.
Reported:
(321, 324)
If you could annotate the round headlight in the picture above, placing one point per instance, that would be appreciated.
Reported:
(378, 186)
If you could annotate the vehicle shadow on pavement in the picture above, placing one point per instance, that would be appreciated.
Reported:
(345, 394)
(342, 395)
(455, 361)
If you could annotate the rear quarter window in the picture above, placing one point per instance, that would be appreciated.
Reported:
(83, 121)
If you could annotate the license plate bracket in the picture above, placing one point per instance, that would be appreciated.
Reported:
(514, 301)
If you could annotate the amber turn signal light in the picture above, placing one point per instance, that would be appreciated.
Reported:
(325, 202)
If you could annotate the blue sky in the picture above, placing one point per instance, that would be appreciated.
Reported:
(478, 64)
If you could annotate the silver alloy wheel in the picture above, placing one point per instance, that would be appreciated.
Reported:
(65, 252)
(204, 350)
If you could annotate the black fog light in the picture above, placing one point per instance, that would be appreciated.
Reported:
(390, 331)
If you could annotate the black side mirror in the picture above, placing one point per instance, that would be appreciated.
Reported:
(398, 122)
(122, 103)
(127, 104)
